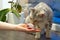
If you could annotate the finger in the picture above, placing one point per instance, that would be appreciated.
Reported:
(23, 25)
(34, 30)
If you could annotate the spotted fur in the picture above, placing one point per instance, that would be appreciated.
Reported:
(41, 17)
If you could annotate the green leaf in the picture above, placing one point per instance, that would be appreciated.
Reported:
(3, 14)
(14, 11)
(18, 7)
(4, 18)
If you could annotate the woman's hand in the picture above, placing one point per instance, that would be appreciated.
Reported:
(27, 28)
(20, 27)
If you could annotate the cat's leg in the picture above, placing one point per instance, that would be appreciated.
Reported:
(37, 36)
(47, 31)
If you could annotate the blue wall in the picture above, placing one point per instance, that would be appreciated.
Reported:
(56, 11)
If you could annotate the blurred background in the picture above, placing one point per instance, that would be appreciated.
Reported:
(26, 5)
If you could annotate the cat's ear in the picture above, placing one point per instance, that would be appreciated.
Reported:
(32, 10)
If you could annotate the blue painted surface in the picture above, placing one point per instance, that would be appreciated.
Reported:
(55, 36)
(56, 20)
(56, 13)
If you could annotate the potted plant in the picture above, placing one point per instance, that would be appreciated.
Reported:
(15, 9)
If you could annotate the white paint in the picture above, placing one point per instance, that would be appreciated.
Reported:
(0, 4)
(5, 3)
(55, 27)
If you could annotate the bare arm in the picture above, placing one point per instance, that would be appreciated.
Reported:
(13, 27)
(4, 25)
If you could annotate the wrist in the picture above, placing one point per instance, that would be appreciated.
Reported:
(20, 28)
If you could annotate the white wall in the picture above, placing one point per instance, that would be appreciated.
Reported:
(4, 4)
(0, 4)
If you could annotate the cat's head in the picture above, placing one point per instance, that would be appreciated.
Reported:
(37, 14)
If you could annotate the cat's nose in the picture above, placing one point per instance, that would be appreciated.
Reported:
(42, 15)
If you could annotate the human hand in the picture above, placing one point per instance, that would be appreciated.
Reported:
(27, 28)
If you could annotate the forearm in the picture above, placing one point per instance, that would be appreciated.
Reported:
(7, 26)
(12, 27)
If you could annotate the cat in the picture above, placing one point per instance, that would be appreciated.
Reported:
(41, 17)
